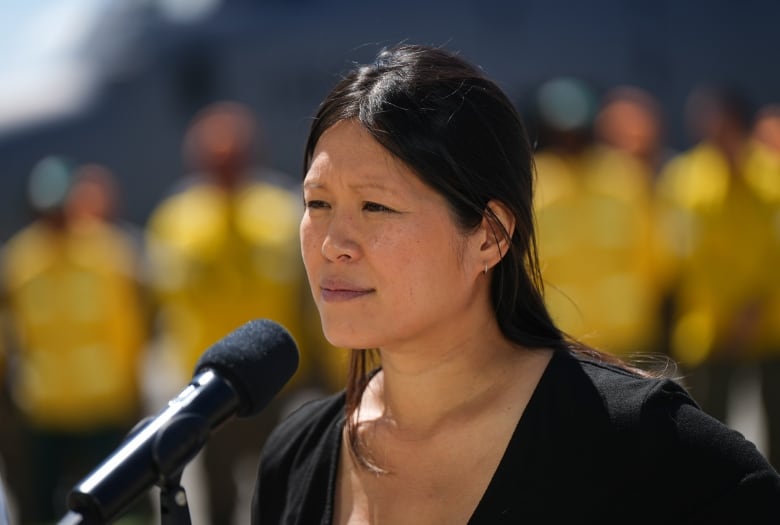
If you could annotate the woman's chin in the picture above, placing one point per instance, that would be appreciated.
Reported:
(348, 339)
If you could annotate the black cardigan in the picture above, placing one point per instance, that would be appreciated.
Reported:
(596, 444)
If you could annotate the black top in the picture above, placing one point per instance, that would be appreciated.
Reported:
(596, 444)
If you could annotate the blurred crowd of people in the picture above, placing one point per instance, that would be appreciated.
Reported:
(649, 251)
(94, 308)
(644, 251)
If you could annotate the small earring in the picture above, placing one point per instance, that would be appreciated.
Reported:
(484, 272)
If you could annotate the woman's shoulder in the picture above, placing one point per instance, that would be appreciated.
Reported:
(669, 440)
(628, 393)
(619, 393)
(658, 408)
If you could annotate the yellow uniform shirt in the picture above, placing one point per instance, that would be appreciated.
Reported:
(220, 259)
(78, 321)
(597, 248)
(724, 230)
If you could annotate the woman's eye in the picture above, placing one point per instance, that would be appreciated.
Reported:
(373, 206)
(315, 204)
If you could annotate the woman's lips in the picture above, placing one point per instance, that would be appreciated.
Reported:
(338, 293)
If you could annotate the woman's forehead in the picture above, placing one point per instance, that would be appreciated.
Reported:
(347, 149)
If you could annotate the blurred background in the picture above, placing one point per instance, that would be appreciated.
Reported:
(116, 81)
(111, 110)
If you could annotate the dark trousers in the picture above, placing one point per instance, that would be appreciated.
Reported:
(59, 460)
(770, 395)
(709, 384)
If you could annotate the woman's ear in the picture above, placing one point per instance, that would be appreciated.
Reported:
(498, 225)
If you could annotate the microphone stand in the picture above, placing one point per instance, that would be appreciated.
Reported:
(174, 509)
(171, 452)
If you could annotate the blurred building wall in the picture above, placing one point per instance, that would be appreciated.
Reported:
(282, 57)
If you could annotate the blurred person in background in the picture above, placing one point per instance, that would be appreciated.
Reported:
(224, 250)
(763, 169)
(94, 198)
(766, 129)
(94, 203)
(77, 328)
(595, 214)
(720, 221)
(630, 120)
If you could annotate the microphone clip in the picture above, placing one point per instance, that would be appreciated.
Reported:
(174, 508)
(170, 453)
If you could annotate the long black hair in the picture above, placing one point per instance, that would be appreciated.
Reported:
(461, 135)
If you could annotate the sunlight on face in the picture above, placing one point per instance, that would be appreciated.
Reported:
(386, 262)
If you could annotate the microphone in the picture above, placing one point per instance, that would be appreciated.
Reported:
(239, 374)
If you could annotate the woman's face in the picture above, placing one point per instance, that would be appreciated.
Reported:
(386, 263)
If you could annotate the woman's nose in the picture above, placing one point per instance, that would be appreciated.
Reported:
(340, 242)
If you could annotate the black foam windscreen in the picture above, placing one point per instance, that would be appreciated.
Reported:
(258, 359)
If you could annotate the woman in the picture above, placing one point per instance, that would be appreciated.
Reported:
(465, 403)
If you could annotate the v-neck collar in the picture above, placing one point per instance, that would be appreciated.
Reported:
(519, 450)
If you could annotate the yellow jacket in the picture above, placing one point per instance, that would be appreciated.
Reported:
(597, 245)
(79, 324)
(220, 259)
(724, 228)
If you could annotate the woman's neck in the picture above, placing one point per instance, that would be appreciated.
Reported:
(419, 394)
